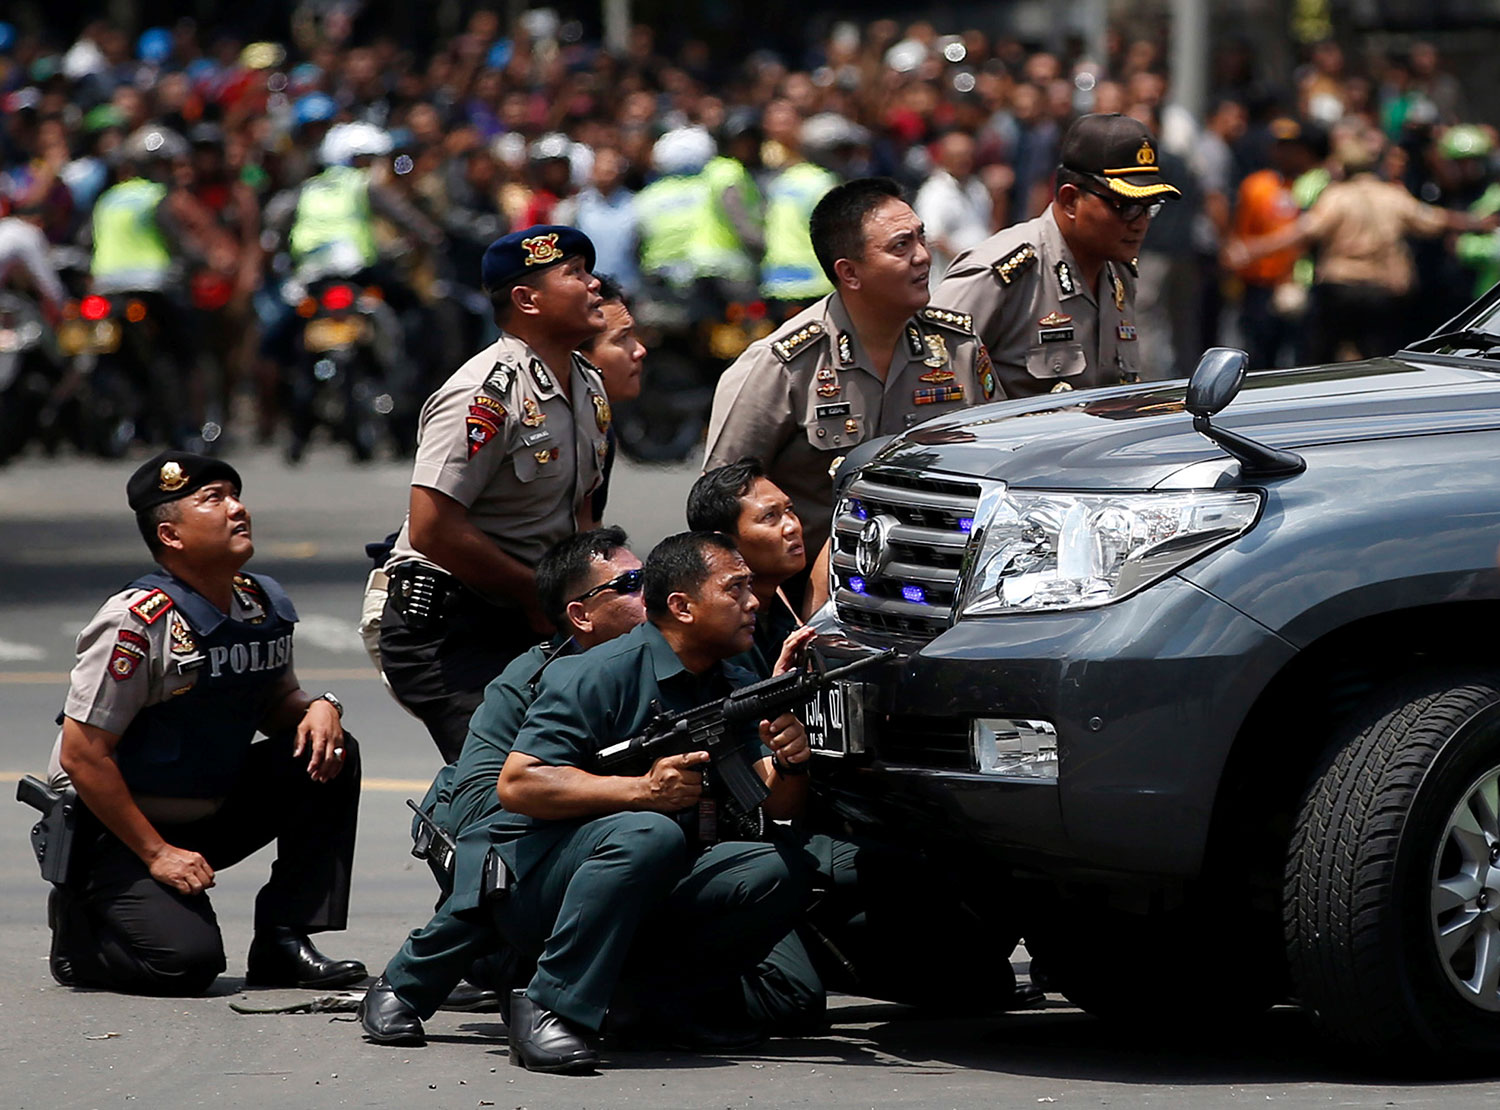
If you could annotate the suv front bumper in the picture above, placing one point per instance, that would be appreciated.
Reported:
(1147, 696)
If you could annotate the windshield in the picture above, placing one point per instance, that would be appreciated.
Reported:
(1474, 331)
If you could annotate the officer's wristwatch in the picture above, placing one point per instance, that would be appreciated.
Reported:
(338, 706)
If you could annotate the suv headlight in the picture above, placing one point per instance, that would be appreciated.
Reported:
(1035, 552)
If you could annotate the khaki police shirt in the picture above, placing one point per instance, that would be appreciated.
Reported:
(138, 650)
(501, 439)
(801, 398)
(1045, 331)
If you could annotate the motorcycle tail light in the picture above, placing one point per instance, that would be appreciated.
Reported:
(336, 298)
(756, 310)
(135, 312)
(306, 307)
(94, 307)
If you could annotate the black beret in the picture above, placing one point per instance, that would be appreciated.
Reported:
(513, 256)
(175, 474)
(1120, 152)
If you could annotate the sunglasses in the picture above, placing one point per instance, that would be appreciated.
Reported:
(627, 583)
(1128, 210)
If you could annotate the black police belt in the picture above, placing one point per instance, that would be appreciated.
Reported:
(426, 596)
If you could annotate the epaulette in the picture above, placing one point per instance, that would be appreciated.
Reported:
(788, 348)
(1133, 267)
(946, 317)
(245, 582)
(1013, 263)
(150, 608)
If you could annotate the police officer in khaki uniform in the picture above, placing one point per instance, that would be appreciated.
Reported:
(175, 675)
(509, 450)
(1054, 298)
(870, 359)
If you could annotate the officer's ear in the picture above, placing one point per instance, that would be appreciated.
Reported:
(523, 300)
(680, 607)
(844, 269)
(1068, 196)
(577, 614)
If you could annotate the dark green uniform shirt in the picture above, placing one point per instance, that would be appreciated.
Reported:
(594, 700)
(492, 730)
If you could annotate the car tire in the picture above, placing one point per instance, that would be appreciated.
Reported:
(1392, 887)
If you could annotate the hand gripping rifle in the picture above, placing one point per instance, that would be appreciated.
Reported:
(716, 728)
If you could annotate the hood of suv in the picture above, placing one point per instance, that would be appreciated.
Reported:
(1134, 437)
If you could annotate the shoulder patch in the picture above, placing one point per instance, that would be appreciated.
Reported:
(149, 608)
(124, 660)
(946, 317)
(1013, 263)
(500, 379)
(788, 348)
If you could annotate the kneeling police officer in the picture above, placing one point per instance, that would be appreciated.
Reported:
(175, 675)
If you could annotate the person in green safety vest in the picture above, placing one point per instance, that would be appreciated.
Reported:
(1471, 146)
(789, 272)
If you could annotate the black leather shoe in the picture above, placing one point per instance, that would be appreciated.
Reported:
(466, 998)
(282, 957)
(388, 1020)
(58, 960)
(542, 1041)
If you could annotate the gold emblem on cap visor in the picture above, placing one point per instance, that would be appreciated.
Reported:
(541, 249)
(1145, 156)
(172, 477)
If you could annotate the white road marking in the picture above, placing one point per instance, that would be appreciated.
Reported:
(328, 633)
(12, 652)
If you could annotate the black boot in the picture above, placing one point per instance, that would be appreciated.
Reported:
(542, 1041)
(387, 1019)
(282, 957)
(59, 910)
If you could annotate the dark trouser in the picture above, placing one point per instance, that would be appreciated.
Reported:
(439, 671)
(618, 903)
(125, 931)
(435, 957)
(1366, 317)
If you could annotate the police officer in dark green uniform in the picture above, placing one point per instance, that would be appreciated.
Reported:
(590, 586)
(175, 675)
(604, 885)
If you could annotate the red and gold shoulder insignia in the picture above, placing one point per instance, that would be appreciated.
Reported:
(126, 657)
(150, 608)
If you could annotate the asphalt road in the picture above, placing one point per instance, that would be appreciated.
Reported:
(68, 541)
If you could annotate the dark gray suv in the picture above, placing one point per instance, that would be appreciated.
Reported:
(1208, 683)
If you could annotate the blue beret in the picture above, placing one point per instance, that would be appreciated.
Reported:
(513, 256)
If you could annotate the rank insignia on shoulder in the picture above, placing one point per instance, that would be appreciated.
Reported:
(1125, 331)
(248, 594)
(786, 349)
(531, 413)
(937, 395)
(152, 606)
(1065, 280)
(984, 370)
(541, 376)
(914, 342)
(500, 378)
(846, 349)
(479, 430)
(959, 321)
(1013, 263)
(602, 415)
(124, 660)
(182, 640)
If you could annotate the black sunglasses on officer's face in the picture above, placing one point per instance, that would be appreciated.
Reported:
(627, 583)
(1127, 210)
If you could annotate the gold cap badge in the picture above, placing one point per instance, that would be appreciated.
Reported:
(172, 477)
(541, 249)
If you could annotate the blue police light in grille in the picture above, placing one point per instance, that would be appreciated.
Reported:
(914, 594)
(856, 583)
(857, 507)
(966, 524)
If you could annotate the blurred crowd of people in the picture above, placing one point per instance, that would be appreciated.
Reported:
(682, 165)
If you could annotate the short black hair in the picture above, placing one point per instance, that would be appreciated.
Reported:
(147, 520)
(563, 572)
(713, 504)
(679, 564)
(837, 227)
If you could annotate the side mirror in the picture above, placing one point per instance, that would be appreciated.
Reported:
(1217, 380)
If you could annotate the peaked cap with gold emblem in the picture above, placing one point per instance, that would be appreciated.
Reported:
(1119, 152)
(175, 474)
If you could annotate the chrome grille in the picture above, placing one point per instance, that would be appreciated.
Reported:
(900, 579)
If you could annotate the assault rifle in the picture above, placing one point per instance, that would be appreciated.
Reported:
(716, 728)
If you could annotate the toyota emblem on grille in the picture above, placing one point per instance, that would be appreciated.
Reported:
(869, 552)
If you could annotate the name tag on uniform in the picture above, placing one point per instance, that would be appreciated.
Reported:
(824, 411)
(1055, 335)
(532, 438)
